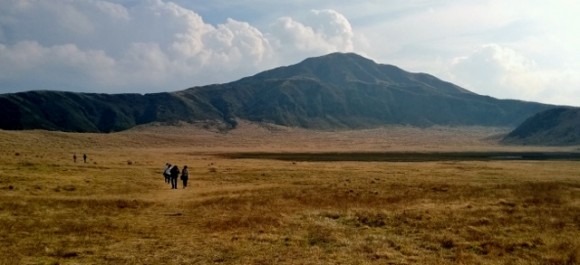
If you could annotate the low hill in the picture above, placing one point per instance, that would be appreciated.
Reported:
(557, 126)
(86, 112)
(328, 92)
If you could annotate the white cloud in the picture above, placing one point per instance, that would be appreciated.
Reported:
(491, 70)
(31, 66)
(160, 45)
(332, 27)
(321, 32)
(149, 46)
(505, 73)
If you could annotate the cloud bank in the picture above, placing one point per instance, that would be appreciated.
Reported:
(504, 73)
(150, 46)
(507, 49)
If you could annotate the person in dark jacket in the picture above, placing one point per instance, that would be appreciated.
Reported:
(174, 176)
(184, 176)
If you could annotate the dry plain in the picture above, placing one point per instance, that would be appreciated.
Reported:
(116, 209)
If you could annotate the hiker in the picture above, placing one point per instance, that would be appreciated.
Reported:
(75, 158)
(85, 158)
(174, 174)
(167, 173)
(184, 176)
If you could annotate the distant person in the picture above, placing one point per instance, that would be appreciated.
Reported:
(85, 158)
(184, 176)
(167, 173)
(174, 176)
(75, 158)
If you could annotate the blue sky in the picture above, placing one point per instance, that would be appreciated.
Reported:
(516, 49)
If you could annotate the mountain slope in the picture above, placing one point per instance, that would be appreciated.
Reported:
(349, 91)
(557, 126)
(333, 91)
(83, 112)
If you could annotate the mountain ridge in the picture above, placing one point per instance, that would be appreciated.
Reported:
(338, 90)
(556, 126)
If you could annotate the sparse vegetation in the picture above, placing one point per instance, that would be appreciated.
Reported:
(261, 211)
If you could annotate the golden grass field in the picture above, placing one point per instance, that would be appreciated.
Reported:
(116, 209)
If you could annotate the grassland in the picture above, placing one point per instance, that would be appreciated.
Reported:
(116, 209)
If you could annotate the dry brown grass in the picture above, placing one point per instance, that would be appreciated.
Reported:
(112, 211)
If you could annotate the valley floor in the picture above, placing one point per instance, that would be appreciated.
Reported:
(116, 208)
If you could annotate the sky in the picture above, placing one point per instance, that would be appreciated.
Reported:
(517, 49)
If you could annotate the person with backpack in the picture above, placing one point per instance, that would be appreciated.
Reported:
(167, 173)
(174, 174)
(184, 176)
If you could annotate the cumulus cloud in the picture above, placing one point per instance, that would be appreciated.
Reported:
(321, 31)
(160, 45)
(493, 70)
(147, 46)
(27, 66)
(505, 73)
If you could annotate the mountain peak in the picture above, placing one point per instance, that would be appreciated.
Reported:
(338, 90)
(342, 67)
(349, 69)
(341, 57)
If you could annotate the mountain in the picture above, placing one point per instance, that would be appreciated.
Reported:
(84, 112)
(556, 126)
(339, 90)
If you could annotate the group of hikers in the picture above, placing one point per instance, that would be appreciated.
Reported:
(171, 173)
